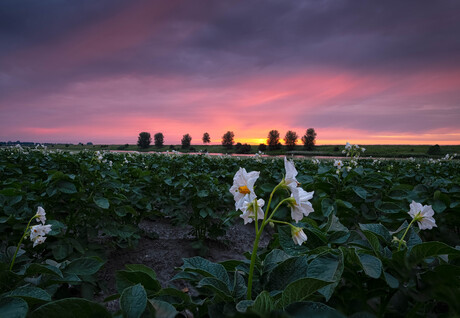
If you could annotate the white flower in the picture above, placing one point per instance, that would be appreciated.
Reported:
(291, 173)
(39, 230)
(39, 240)
(41, 215)
(423, 215)
(299, 204)
(243, 187)
(248, 210)
(298, 236)
(363, 149)
(348, 146)
(338, 164)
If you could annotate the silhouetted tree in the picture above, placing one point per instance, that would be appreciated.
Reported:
(290, 139)
(227, 139)
(273, 140)
(434, 150)
(144, 140)
(262, 147)
(206, 139)
(245, 148)
(186, 139)
(309, 139)
(159, 139)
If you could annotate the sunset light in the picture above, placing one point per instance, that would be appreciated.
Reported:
(105, 72)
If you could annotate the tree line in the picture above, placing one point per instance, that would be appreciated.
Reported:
(228, 140)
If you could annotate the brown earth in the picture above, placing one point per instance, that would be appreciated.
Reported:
(165, 253)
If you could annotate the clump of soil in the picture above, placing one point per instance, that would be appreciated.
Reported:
(165, 253)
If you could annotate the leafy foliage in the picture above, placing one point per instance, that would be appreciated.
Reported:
(227, 139)
(186, 140)
(290, 139)
(273, 140)
(349, 266)
(206, 138)
(159, 140)
(144, 140)
(309, 139)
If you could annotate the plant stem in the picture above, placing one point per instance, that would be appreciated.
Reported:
(253, 261)
(20, 241)
(404, 235)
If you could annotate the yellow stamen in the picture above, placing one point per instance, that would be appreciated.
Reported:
(244, 189)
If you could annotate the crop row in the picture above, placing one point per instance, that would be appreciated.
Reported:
(351, 262)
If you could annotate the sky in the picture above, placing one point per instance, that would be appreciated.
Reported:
(367, 72)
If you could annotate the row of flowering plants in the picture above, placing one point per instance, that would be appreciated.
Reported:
(348, 243)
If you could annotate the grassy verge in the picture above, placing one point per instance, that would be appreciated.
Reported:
(386, 151)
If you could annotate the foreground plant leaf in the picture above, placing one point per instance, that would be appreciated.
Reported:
(133, 301)
(71, 308)
(300, 290)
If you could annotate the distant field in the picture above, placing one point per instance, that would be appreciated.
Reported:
(388, 151)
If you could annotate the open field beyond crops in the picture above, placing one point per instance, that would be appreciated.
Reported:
(378, 151)
(121, 222)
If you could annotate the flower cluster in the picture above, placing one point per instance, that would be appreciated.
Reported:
(449, 157)
(251, 207)
(353, 151)
(38, 232)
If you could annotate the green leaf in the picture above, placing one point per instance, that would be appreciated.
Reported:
(30, 294)
(312, 309)
(84, 266)
(264, 303)
(56, 227)
(286, 242)
(13, 308)
(300, 290)
(71, 308)
(286, 272)
(163, 309)
(141, 268)
(35, 268)
(360, 192)
(243, 305)
(101, 202)
(378, 229)
(61, 250)
(216, 285)
(429, 249)
(133, 301)
(66, 187)
(327, 267)
(206, 268)
(327, 206)
(344, 204)
(372, 265)
(128, 278)
(273, 258)
(202, 193)
(373, 241)
(391, 280)
(439, 206)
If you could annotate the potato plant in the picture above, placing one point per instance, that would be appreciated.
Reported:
(360, 256)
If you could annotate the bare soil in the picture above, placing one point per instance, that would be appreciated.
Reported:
(165, 253)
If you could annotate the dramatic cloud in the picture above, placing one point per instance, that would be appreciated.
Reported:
(102, 71)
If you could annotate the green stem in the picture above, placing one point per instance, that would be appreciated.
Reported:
(259, 231)
(281, 222)
(270, 200)
(276, 208)
(256, 221)
(20, 241)
(253, 261)
(404, 235)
